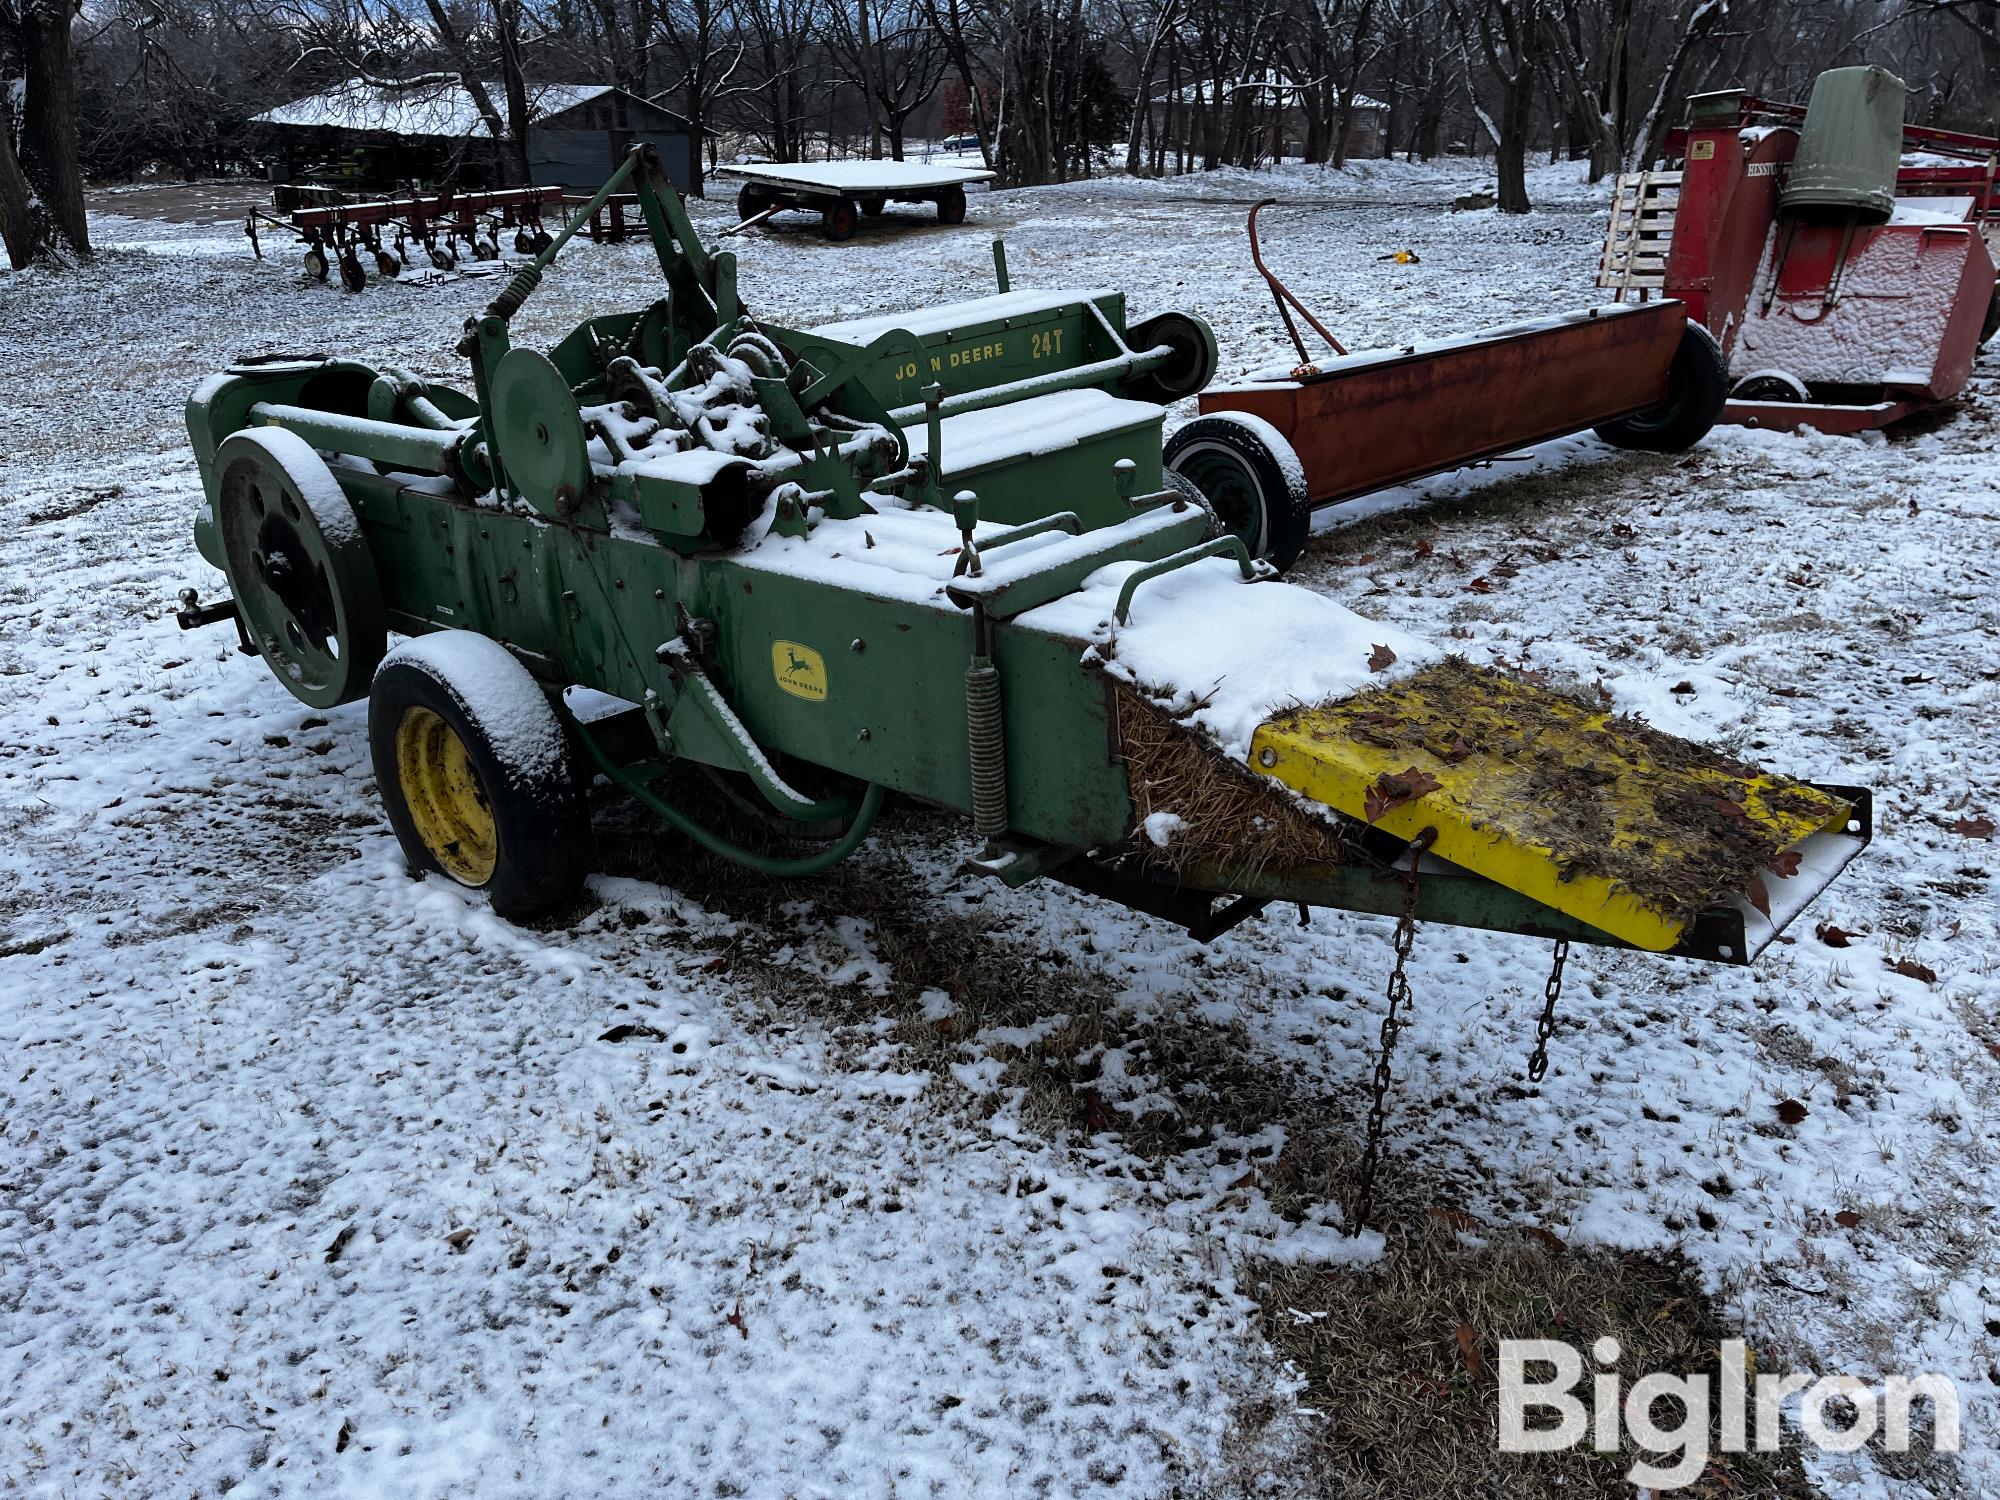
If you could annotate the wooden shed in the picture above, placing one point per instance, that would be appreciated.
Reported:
(429, 133)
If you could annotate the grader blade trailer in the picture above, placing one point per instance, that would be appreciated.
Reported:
(687, 540)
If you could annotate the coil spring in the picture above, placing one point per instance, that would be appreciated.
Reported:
(989, 748)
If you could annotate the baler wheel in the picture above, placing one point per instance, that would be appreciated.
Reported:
(1193, 363)
(299, 566)
(476, 774)
(1252, 479)
(838, 220)
(951, 206)
(1697, 390)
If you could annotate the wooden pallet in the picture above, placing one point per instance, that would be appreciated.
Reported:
(1641, 231)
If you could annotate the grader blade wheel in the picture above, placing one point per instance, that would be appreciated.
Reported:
(299, 566)
(540, 432)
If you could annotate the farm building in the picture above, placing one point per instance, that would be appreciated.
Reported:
(383, 136)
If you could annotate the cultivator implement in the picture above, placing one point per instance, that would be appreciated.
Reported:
(786, 608)
(1270, 451)
(387, 233)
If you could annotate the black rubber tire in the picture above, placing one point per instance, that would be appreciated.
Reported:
(1697, 389)
(485, 250)
(1992, 324)
(874, 207)
(1181, 485)
(951, 206)
(353, 275)
(837, 222)
(1252, 479)
(317, 265)
(1192, 367)
(388, 263)
(543, 239)
(526, 774)
(750, 201)
(442, 258)
(524, 242)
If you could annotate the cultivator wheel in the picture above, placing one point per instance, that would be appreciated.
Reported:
(388, 263)
(1252, 480)
(353, 275)
(317, 264)
(1697, 390)
(442, 258)
(475, 772)
(299, 566)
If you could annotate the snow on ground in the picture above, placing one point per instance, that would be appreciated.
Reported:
(315, 1179)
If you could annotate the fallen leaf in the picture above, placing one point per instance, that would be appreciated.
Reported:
(1847, 1218)
(1757, 895)
(339, 1244)
(1425, 549)
(1786, 864)
(1468, 1350)
(1791, 1111)
(1455, 1219)
(1832, 936)
(1974, 828)
(1909, 968)
(1393, 791)
(1683, 686)
(625, 1031)
(1551, 1240)
(1456, 751)
(1380, 659)
(1480, 585)
(458, 1239)
(345, 1436)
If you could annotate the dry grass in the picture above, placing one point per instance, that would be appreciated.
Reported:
(1400, 1360)
(1229, 816)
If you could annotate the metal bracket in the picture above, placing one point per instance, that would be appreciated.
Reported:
(1253, 571)
(193, 615)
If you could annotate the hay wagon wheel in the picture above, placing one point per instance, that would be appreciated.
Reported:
(1252, 480)
(299, 566)
(951, 206)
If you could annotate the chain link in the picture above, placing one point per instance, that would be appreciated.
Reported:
(1545, 1024)
(1393, 1021)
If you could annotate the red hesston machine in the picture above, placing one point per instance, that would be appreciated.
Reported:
(1847, 290)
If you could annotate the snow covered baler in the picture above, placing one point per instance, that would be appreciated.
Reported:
(676, 552)
(1847, 291)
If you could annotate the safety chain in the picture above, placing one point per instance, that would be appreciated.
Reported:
(1545, 1024)
(1393, 1021)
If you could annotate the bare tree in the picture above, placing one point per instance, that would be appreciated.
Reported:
(1509, 35)
(42, 155)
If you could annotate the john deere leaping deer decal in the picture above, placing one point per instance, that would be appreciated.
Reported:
(800, 670)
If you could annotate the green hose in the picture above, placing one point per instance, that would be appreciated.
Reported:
(816, 863)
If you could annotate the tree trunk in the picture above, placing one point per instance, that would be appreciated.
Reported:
(1510, 152)
(49, 155)
(20, 224)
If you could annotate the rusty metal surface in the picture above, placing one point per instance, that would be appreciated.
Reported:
(1371, 421)
(1784, 416)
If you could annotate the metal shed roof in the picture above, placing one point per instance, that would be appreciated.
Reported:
(434, 107)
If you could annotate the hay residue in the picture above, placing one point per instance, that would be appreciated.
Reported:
(1225, 815)
(1676, 824)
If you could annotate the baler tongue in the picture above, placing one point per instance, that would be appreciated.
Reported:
(1609, 821)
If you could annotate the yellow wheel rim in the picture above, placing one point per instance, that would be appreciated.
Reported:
(446, 802)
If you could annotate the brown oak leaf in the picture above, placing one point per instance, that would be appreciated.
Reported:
(1380, 659)
(1832, 936)
(1392, 791)
(1757, 895)
(1974, 828)
(1468, 1350)
(1786, 864)
(1847, 1218)
(1791, 1111)
(1909, 968)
